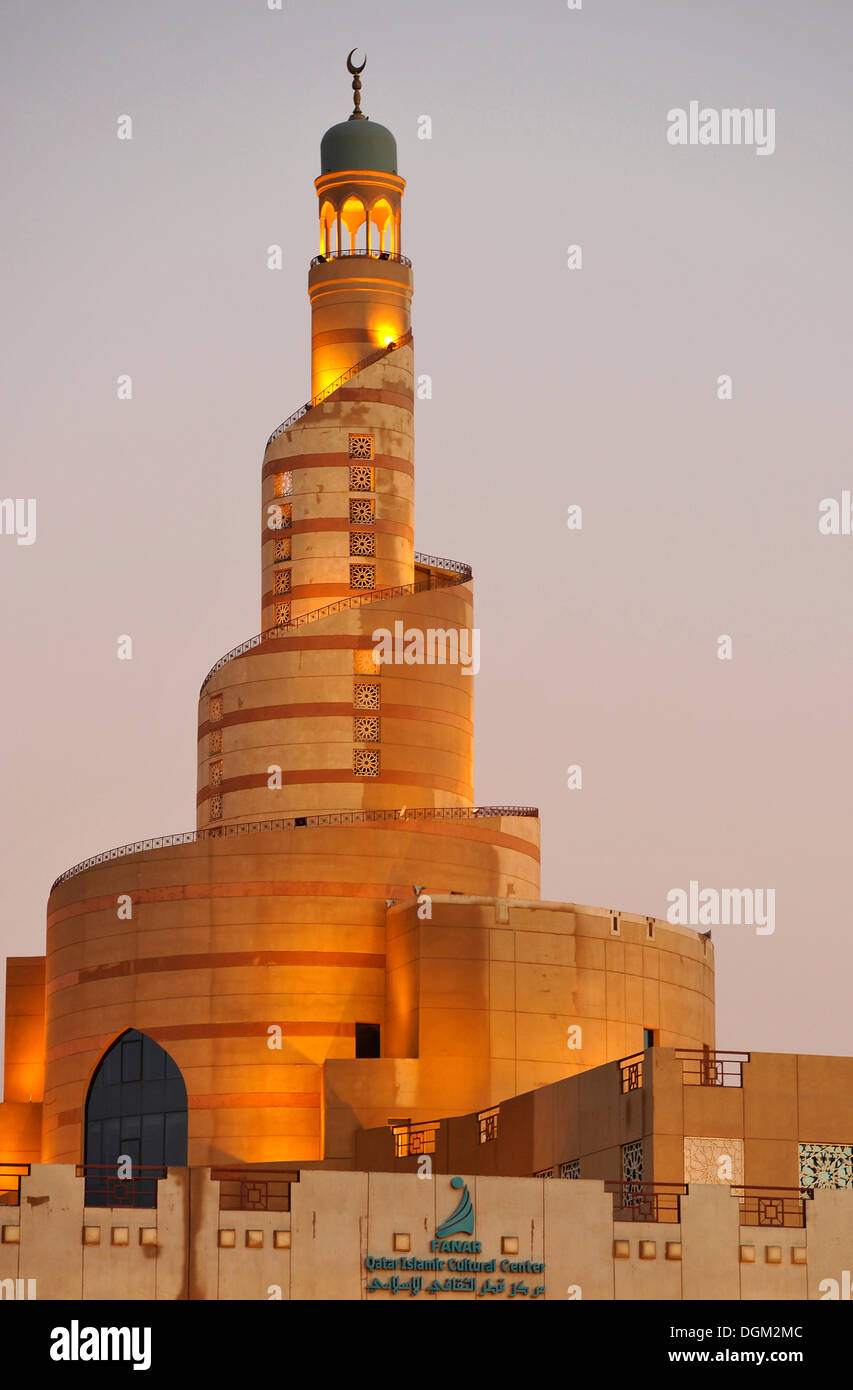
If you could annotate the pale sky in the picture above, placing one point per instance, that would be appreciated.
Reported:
(551, 387)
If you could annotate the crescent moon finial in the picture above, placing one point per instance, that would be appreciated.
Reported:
(357, 113)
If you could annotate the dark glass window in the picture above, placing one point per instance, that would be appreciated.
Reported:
(648, 1038)
(367, 1040)
(136, 1108)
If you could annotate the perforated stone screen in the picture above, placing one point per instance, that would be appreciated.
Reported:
(365, 695)
(362, 543)
(365, 762)
(362, 511)
(362, 577)
(361, 446)
(361, 478)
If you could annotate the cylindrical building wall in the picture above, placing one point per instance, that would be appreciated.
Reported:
(234, 936)
(345, 732)
(337, 513)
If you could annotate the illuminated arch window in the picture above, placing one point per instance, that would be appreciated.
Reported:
(354, 218)
(136, 1109)
(328, 230)
(382, 227)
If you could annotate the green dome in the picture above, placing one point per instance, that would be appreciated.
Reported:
(358, 145)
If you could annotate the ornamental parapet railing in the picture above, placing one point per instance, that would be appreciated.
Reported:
(362, 251)
(318, 818)
(461, 573)
(702, 1066)
(784, 1207)
(646, 1201)
(10, 1183)
(104, 1187)
(254, 1189)
(631, 1071)
(368, 361)
(487, 1124)
(412, 1140)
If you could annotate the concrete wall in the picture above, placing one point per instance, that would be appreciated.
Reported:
(318, 1249)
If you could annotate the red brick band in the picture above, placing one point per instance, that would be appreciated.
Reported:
(338, 459)
(215, 960)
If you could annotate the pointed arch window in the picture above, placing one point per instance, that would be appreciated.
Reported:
(136, 1123)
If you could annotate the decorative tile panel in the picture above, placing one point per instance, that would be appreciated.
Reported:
(713, 1160)
(365, 762)
(632, 1172)
(284, 483)
(366, 728)
(826, 1165)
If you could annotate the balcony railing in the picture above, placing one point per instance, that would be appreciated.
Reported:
(10, 1183)
(413, 1140)
(105, 1189)
(646, 1201)
(631, 1070)
(784, 1207)
(258, 827)
(346, 376)
(705, 1067)
(362, 251)
(254, 1189)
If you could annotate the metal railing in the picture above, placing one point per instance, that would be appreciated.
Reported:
(487, 1124)
(346, 376)
(254, 1189)
(784, 1207)
(460, 571)
(321, 818)
(705, 1067)
(10, 1183)
(631, 1069)
(362, 251)
(440, 563)
(646, 1201)
(413, 1140)
(105, 1189)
